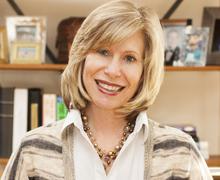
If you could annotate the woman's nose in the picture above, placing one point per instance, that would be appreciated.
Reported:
(113, 68)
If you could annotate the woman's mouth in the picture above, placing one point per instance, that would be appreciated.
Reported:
(108, 88)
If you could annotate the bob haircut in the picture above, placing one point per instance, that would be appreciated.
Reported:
(106, 25)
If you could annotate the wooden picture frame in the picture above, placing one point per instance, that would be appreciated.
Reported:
(176, 22)
(211, 19)
(3, 45)
(25, 53)
(26, 30)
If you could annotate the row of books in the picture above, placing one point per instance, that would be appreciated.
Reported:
(23, 109)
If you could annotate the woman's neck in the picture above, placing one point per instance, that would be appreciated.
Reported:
(106, 126)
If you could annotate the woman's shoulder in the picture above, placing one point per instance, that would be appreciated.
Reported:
(45, 135)
(165, 135)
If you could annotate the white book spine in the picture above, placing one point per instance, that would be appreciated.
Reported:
(19, 116)
(49, 108)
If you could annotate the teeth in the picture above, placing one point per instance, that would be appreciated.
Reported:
(108, 87)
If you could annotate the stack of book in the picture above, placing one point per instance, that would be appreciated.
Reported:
(23, 109)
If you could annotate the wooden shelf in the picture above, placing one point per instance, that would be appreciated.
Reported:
(201, 68)
(3, 161)
(214, 160)
(37, 67)
(61, 67)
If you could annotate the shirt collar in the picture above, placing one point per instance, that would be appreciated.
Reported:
(142, 122)
(74, 117)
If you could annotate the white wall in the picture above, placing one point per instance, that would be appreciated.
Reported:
(185, 97)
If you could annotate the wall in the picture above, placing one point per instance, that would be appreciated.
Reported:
(185, 97)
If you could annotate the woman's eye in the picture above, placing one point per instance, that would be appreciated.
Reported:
(104, 52)
(130, 59)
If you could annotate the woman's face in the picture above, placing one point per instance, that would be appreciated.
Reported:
(111, 75)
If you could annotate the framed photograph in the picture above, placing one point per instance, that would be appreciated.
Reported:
(174, 35)
(174, 45)
(26, 53)
(3, 46)
(211, 19)
(26, 30)
(196, 46)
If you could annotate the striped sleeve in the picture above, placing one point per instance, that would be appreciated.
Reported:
(38, 157)
(198, 167)
(15, 168)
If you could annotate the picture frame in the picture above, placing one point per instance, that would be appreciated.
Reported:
(175, 22)
(25, 53)
(174, 35)
(196, 45)
(211, 19)
(26, 30)
(174, 45)
(3, 45)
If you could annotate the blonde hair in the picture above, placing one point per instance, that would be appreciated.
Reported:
(106, 25)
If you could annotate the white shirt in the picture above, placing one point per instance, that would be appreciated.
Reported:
(129, 164)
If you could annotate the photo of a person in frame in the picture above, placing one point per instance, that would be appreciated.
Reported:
(173, 44)
(196, 46)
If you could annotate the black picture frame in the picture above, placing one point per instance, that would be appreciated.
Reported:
(211, 19)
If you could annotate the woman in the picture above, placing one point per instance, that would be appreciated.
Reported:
(114, 74)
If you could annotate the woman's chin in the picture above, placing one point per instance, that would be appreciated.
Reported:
(106, 105)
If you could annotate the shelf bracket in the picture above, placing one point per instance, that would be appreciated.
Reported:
(172, 9)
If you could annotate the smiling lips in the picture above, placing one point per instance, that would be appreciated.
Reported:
(108, 88)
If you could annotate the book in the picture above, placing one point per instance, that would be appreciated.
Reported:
(49, 108)
(34, 108)
(61, 108)
(20, 116)
(6, 121)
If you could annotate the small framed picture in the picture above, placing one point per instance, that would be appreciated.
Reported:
(196, 45)
(174, 35)
(174, 44)
(211, 19)
(3, 46)
(26, 53)
(26, 30)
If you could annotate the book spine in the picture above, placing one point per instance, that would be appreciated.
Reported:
(6, 121)
(61, 108)
(34, 108)
(49, 108)
(20, 115)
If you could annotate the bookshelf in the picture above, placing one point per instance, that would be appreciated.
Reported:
(201, 68)
(44, 67)
(61, 67)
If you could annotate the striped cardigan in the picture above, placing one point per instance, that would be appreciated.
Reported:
(46, 153)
